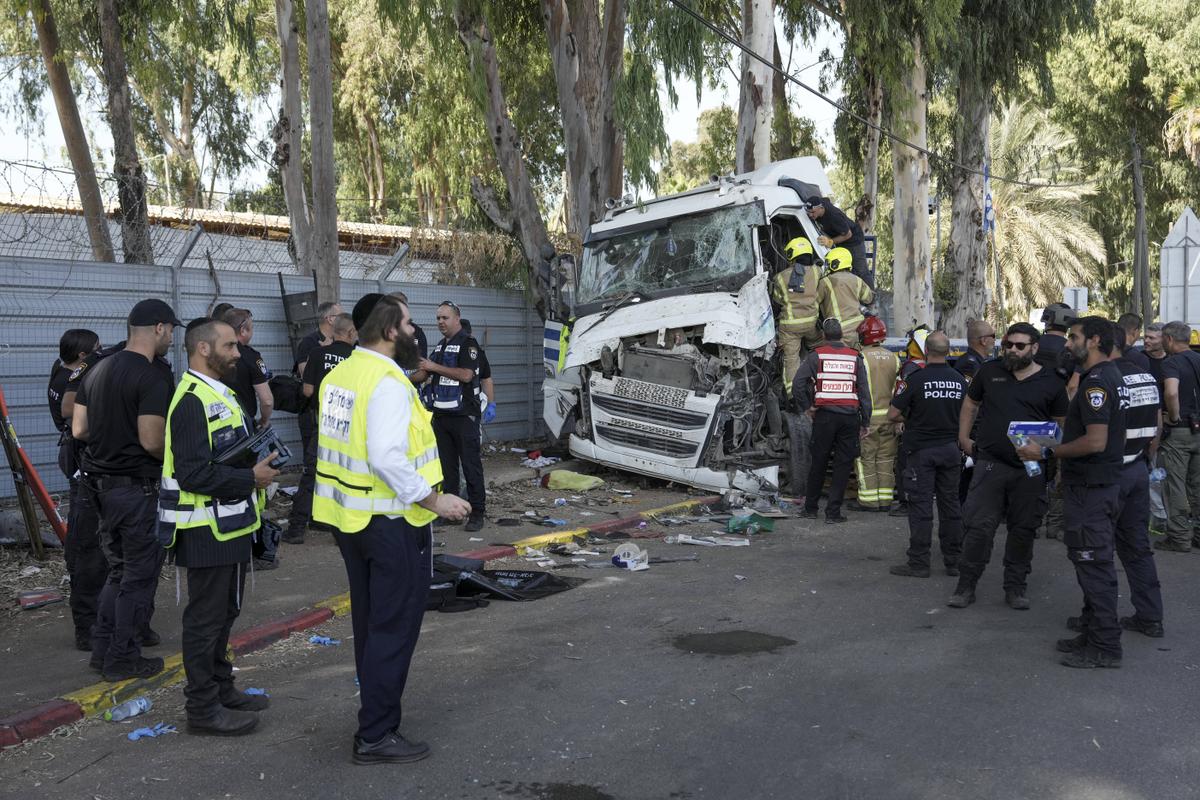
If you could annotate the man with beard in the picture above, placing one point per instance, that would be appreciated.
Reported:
(120, 411)
(1090, 456)
(1013, 389)
(452, 394)
(377, 477)
(207, 512)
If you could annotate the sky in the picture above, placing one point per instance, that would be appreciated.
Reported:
(16, 145)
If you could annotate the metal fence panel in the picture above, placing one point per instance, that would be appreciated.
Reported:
(41, 298)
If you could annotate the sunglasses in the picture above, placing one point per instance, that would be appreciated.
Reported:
(1018, 346)
(452, 304)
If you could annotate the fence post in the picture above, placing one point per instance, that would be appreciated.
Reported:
(534, 360)
(177, 295)
(393, 264)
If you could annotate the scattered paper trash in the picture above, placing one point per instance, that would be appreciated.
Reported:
(575, 481)
(560, 501)
(739, 577)
(324, 641)
(518, 449)
(631, 557)
(475, 539)
(30, 570)
(553, 522)
(150, 733)
(708, 541)
(539, 462)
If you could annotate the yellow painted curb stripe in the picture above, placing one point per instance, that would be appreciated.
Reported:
(339, 604)
(543, 539)
(100, 697)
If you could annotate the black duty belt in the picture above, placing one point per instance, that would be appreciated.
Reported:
(106, 482)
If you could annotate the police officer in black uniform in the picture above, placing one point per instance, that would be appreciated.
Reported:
(929, 404)
(1140, 399)
(120, 410)
(1091, 456)
(452, 394)
(85, 561)
(1013, 389)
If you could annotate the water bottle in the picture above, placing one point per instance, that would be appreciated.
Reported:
(130, 708)
(1032, 468)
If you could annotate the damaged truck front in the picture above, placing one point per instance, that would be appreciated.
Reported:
(662, 360)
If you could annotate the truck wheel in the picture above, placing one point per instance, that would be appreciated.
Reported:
(799, 428)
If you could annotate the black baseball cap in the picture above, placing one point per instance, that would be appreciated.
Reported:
(152, 312)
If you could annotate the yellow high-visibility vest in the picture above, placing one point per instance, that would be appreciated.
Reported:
(348, 492)
(179, 509)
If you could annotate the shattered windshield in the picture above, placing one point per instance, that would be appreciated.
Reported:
(685, 251)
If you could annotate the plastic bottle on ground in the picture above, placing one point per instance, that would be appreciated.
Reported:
(130, 708)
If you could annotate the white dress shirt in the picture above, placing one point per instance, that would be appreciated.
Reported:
(388, 415)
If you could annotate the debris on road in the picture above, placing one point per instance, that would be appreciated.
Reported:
(324, 641)
(631, 557)
(149, 733)
(130, 708)
(36, 598)
(716, 540)
(566, 479)
(539, 462)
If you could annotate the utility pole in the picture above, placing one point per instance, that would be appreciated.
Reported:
(1142, 294)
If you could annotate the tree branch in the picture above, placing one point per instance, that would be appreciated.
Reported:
(485, 197)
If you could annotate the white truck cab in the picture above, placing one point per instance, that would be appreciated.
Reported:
(660, 351)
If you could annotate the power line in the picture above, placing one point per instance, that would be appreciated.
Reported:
(884, 131)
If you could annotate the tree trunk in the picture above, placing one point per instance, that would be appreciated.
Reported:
(865, 213)
(610, 146)
(527, 216)
(288, 135)
(785, 142)
(376, 156)
(754, 101)
(1143, 294)
(131, 181)
(73, 131)
(324, 173)
(968, 242)
(912, 282)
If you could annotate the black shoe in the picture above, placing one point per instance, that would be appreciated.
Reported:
(806, 514)
(83, 641)
(148, 637)
(265, 565)
(865, 509)
(909, 571)
(898, 510)
(1016, 599)
(961, 598)
(391, 749)
(1088, 657)
(1072, 645)
(952, 570)
(1143, 626)
(838, 520)
(141, 668)
(1076, 624)
(238, 700)
(96, 662)
(226, 722)
(475, 523)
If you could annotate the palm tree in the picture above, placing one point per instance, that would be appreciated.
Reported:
(1043, 239)
(1182, 131)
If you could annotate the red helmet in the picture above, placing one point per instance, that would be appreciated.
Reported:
(872, 330)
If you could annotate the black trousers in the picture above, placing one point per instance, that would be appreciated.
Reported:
(1000, 491)
(835, 435)
(933, 472)
(301, 513)
(1133, 542)
(135, 557)
(858, 263)
(388, 564)
(458, 443)
(214, 602)
(85, 561)
(1089, 529)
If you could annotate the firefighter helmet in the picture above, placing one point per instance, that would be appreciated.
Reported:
(798, 248)
(838, 259)
(872, 330)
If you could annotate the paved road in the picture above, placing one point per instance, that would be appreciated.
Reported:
(873, 689)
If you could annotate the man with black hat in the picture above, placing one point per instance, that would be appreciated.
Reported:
(838, 230)
(120, 411)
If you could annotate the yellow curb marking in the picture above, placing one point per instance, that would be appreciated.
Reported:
(339, 604)
(559, 537)
(99, 697)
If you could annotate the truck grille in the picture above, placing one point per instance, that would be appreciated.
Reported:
(654, 414)
(644, 440)
(651, 392)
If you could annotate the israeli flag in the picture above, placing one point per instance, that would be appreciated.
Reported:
(989, 211)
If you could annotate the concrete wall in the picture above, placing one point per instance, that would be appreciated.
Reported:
(40, 298)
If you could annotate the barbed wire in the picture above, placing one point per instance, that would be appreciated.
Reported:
(41, 217)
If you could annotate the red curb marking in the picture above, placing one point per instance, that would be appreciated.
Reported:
(260, 636)
(38, 721)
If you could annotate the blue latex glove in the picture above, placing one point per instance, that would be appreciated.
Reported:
(157, 730)
(489, 413)
(324, 641)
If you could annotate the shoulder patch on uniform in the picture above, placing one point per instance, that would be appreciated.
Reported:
(472, 353)
(75, 373)
(1096, 397)
(901, 386)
